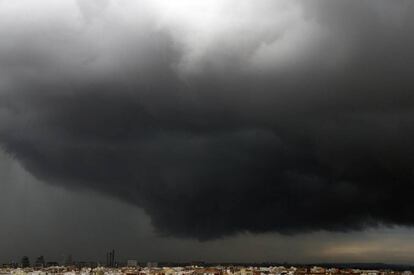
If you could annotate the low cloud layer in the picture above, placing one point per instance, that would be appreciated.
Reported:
(217, 117)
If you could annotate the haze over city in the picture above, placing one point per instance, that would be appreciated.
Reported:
(207, 130)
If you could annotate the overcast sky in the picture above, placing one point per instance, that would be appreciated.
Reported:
(217, 130)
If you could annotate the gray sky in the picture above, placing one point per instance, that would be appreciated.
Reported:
(40, 219)
(218, 130)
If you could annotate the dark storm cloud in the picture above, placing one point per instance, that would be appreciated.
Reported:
(283, 116)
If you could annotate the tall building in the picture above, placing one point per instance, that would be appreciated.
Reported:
(40, 261)
(110, 258)
(68, 260)
(25, 262)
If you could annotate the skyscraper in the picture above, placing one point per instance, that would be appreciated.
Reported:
(110, 258)
(25, 262)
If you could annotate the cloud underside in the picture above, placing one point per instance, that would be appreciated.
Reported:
(236, 121)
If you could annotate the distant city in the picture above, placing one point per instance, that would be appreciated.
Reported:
(133, 267)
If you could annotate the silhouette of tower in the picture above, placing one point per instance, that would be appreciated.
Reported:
(40, 261)
(68, 260)
(25, 261)
(110, 258)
